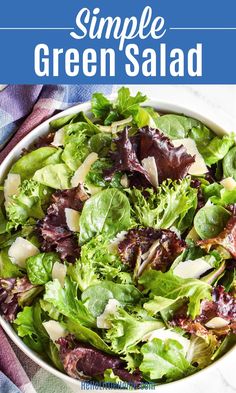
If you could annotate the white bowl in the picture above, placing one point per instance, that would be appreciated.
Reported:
(43, 129)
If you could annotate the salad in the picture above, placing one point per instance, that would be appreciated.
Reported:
(118, 244)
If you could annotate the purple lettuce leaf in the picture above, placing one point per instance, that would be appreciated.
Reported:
(138, 241)
(223, 305)
(172, 162)
(14, 294)
(125, 157)
(82, 361)
(53, 230)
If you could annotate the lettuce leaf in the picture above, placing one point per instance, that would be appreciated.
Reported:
(210, 221)
(201, 350)
(217, 149)
(127, 331)
(39, 267)
(177, 126)
(74, 154)
(30, 202)
(101, 106)
(170, 205)
(7, 268)
(67, 303)
(164, 359)
(82, 333)
(98, 262)
(30, 328)
(169, 286)
(27, 165)
(124, 106)
(106, 212)
(96, 297)
(229, 166)
(54, 175)
(62, 121)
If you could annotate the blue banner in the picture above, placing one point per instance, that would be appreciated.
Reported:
(155, 41)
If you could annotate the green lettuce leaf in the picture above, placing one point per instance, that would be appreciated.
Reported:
(169, 286)
(3, 223)
(49, 309)
(210, 221)
(66, 301)
(147, 116)
(127, 105)
(31, 202)
(177, 126)
(96, 297)
(201, 350)
(86, 335)
(217, 149)
(164, 359)
(107, 212)
(123, 107)
(212, 191)
(229, 164)
(170, 205)
(225, 197)
(62, 121)
(101, 106)
(39, 267)
(55, 176)
(98, 262)
(127, 331)
(7, 268)
(29, 326)
(74, 154)
(27, 165)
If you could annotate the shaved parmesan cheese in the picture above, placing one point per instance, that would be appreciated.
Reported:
(147, 257)
(20, 250)
(72, 219)
(59, 138)
(59, 272)
(165, 334)
(11, 187)
(103, 319)
(124, 181)
(216, 323)
(83, 170)
(192, 269)
(149, 164)
(229, 183)
(54, 330)
(198, 167)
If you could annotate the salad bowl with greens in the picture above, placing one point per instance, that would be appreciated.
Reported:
(118, 243)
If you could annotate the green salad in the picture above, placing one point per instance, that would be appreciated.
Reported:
(118, 244)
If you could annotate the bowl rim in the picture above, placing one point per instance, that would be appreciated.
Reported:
(42, 129)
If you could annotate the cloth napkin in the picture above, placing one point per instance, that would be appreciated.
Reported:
(22, 108)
